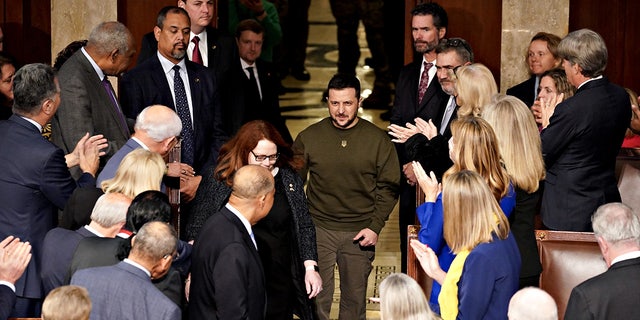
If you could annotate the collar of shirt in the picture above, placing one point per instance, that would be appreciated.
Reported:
(588, 80)
(93, 64)
(626, 256)
(167, 66)
(33, 122)
(137, 265)
(245, 65)
(244, 220)
(94, 231)
(144, 146)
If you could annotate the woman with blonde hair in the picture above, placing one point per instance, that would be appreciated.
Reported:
(401, 298)
(474, 88)
(139, 171)
(473, 146)
(484, 273)
(67, 303)
(521, 153)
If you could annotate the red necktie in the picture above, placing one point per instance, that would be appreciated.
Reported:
(196, 57)
(424, 81)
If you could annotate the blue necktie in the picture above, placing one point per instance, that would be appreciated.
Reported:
(182, 108)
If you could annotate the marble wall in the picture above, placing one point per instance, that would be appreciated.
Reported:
(521, 20)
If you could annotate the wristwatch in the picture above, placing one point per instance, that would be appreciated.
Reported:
(312, 268)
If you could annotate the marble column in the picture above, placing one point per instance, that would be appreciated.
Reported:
(521, 20)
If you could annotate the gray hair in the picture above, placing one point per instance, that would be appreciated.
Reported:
(108, 36)
(616, 222)
(159, 128)
(532, 304)
(587, 49)
(110, 209)
(154, 241)
(32, 85)
(458, 45)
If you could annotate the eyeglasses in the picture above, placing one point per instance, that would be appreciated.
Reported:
(173, 256)
(451, 69)
(262, 157)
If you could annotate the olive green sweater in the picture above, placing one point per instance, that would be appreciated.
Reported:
(353, 175)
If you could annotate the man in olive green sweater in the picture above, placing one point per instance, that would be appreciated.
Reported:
(352, 188)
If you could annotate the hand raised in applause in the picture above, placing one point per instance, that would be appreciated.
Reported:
(402, 134)
(14, 258)
(548, 107)
(428, 183)
(428, 129)
(428, 261)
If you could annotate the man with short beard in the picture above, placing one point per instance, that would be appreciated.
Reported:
(190, 89)
(418, 95)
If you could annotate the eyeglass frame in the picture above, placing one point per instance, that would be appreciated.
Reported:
(262, 157)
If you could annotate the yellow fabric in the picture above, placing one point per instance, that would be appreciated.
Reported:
(448, 298)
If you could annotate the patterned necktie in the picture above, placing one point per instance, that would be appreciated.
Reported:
(254, 83)
(112, 95)
(424, 81)
(182, 108)
(196, 57)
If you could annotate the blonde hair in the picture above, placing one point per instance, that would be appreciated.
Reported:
(471, 213)
(476, 148)
(401, 298)
(475, 85)
(519, 140)
(67, 303)
(139, 171)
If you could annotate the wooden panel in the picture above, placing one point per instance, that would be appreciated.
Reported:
(27, 19)
(478, 22)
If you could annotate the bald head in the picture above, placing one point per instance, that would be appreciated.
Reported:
(252, 181)
(532, 304)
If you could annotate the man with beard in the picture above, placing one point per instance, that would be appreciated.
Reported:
(184, 86)
(353, 186)
(417, 95)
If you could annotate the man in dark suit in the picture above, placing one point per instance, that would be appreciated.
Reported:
(250, 88)
(59, 245)
(124, 290)
(582, 138)
(35, 179)
(418, 94)
(227, 276)
(216, 48)
(615, 293)
(14, 258)
(187, 87)
(88, 101)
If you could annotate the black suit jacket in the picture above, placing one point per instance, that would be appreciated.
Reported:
(525, 91)
(239, 107)
(227, 281)
(221, 50)
(57, 252)
(146, 85)
(35, 183)
(7, 301)
(580, 146)
(406, 107)
(611, 295)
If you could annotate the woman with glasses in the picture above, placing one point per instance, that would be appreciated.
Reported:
(286, 237)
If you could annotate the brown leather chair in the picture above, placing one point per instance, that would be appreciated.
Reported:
(414, 270)
(568, 259)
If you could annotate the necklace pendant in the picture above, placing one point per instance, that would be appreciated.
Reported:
(343, 143)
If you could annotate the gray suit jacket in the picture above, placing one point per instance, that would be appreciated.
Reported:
(123, 291)
(85, 107)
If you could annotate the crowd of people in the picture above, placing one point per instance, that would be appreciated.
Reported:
(263, 219)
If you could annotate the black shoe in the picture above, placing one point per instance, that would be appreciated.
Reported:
(301, 74)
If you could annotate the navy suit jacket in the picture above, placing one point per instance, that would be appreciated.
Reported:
(525, 91)
(406, 107)
(35, 183)
(227, 280)
(57, 252)
(580, 146)
(147, 84)
(238, 108)
(613, 294)
(7, 300)
(112, 165)
(123, 291)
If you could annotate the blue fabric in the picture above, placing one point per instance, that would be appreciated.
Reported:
(431, 216)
